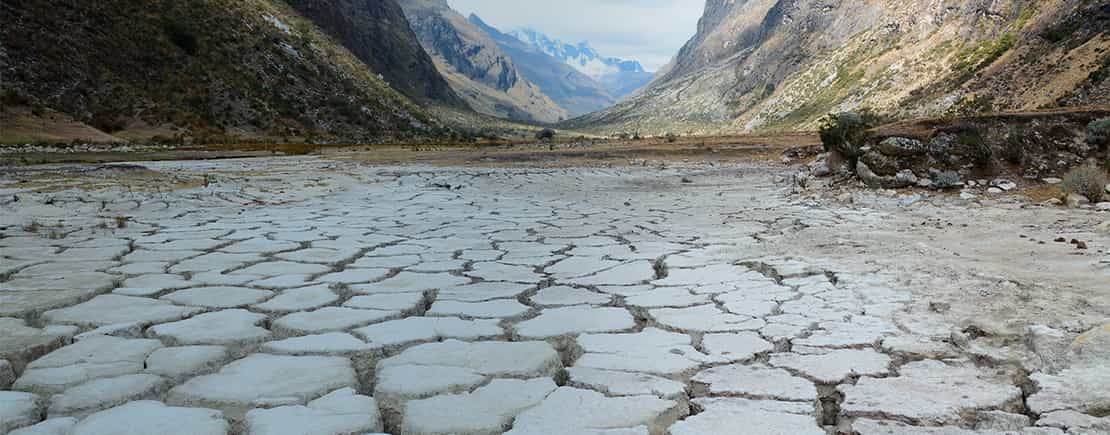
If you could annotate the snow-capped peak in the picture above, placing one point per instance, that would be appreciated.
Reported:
(579, 56)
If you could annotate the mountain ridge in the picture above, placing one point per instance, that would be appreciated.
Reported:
(781, 65)
(620, 77)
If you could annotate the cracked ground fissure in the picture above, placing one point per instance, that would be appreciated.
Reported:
(527, 301)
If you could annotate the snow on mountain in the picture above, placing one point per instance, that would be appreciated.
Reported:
(580, 56)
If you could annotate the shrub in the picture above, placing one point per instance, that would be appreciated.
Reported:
(846, 133)
(974, 146)
(1088, 181)
(545, 134)
(1098, 133)
(670, 137)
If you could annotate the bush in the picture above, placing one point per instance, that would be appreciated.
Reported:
(974, 146)
(1098, 133)
(1088, 181)
(545, 134)
(846, 133)
(670, 137)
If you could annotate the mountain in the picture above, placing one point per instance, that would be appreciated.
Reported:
(572, 90)
(620, 77)
(378, 34)
(777, 65)
(475, 65)
(209, 69)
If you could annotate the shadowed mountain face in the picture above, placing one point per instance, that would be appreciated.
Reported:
(569, 88)
(377, 32)
(772, 65)
(212, 68)
(475, 65)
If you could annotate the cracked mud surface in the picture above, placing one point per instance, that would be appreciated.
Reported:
(305, 295)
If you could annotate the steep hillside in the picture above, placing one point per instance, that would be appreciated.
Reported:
(772, 65)
(213, 69)
(377, 32)
(619, 77)
(572, 90)
(476, 67)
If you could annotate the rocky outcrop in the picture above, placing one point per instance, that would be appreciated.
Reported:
(476, 67)
(773, 65)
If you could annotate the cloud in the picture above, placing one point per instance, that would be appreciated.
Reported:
(650, 31)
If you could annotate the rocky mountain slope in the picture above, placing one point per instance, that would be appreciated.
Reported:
(570, 89)
(214, 69)
(476, 67)
(619, 77)
(378, 34)
(773, 65)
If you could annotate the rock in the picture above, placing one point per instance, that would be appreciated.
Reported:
(928, 392)
(994, 191)
(19, 410)
(967, 196)
(925, 183)
(904, 178)
(1074, 200)
(147, 417)
(1052, 202)
(572, 411)
(227, 327)
(96, 357)
(1091, 348)
(7, 374)
(1005, 185)
(836, 366)
(1102, 206)
(106, 310)
(946, 179)
(406, 303)
(262, 380)
(614, 383)
(902, 147)
(54, 426)
(1052, 180)
(554, 322)
(1084, 389)
(1108, 188)
(20, 344)
(103, 393)
(735, 416)
(340, 412)
(881, 164)
(179, 363)
(869, 177)
(488, 409)
(756, 381)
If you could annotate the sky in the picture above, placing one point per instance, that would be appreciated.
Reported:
(650, 31)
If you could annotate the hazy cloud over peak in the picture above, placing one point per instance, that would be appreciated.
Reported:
(650, 31)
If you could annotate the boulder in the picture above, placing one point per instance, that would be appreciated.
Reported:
(1074, 200)
(900, 146)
